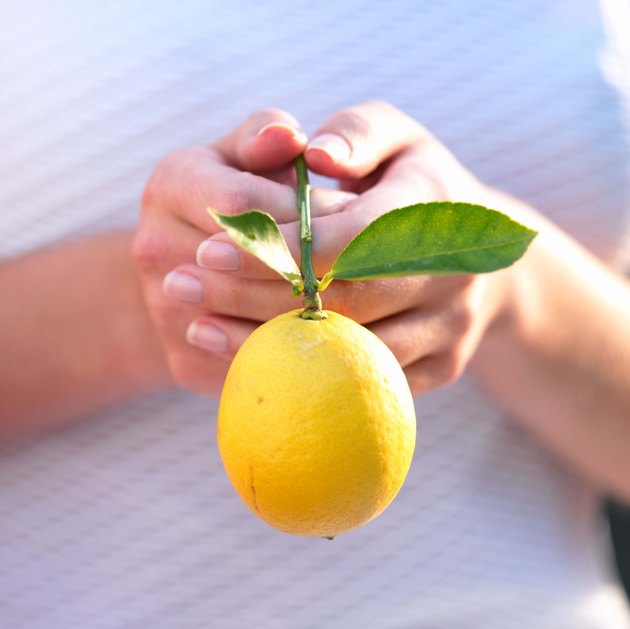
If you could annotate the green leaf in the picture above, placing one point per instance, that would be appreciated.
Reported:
(258, 233)
(432, 238)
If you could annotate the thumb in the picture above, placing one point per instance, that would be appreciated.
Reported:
(266, 141)
(352, 143)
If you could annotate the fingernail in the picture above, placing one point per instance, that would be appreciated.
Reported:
(183, 287)
(297, 134)
(218, 256)
(208, 337)
(333, 145)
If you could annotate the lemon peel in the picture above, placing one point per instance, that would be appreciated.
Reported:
(316, 424)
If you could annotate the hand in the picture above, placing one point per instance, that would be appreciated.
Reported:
(432, 324)
(249, 168)
(384, 160)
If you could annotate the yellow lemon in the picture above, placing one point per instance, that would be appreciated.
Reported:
(316, 425)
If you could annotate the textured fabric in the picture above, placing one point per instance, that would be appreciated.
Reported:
(126, 520)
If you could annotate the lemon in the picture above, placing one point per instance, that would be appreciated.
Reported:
(316, 425)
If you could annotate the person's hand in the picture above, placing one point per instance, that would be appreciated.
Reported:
(225, 304)
(383, 160)
(432, 324)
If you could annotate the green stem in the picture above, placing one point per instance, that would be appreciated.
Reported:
(312, 301)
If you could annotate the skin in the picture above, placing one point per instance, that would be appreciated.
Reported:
(565, 378)
(74, 332)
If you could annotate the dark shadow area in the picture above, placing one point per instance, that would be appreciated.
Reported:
(619, 518)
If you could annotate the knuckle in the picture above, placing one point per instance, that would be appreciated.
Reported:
(416, 380)
(449, 367)
(177, 179)
(463, 319)
(149, 248)
(462, 311)
(155, 187)
(193, 181)
(465, 282)
(353, 124)
(435, 185)
(381, 107)
(236, 196)
(388, 111)
(158, 189)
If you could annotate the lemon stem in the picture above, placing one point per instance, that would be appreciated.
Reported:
(312, 300)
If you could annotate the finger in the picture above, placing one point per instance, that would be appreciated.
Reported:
(414, 334)
(434, 344)
(159, 245)
(221, 336)
(456, 314)
(334, 225)
(431, 372)
(219, 253)
(203, 291)
(186, 183)
(190, 367)
(353, 142)
(406, 180)
(268, 140)
(199, 291)
(422, 343)
(173, 303)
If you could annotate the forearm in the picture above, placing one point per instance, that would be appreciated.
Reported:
(74, 333)
(559, 360)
